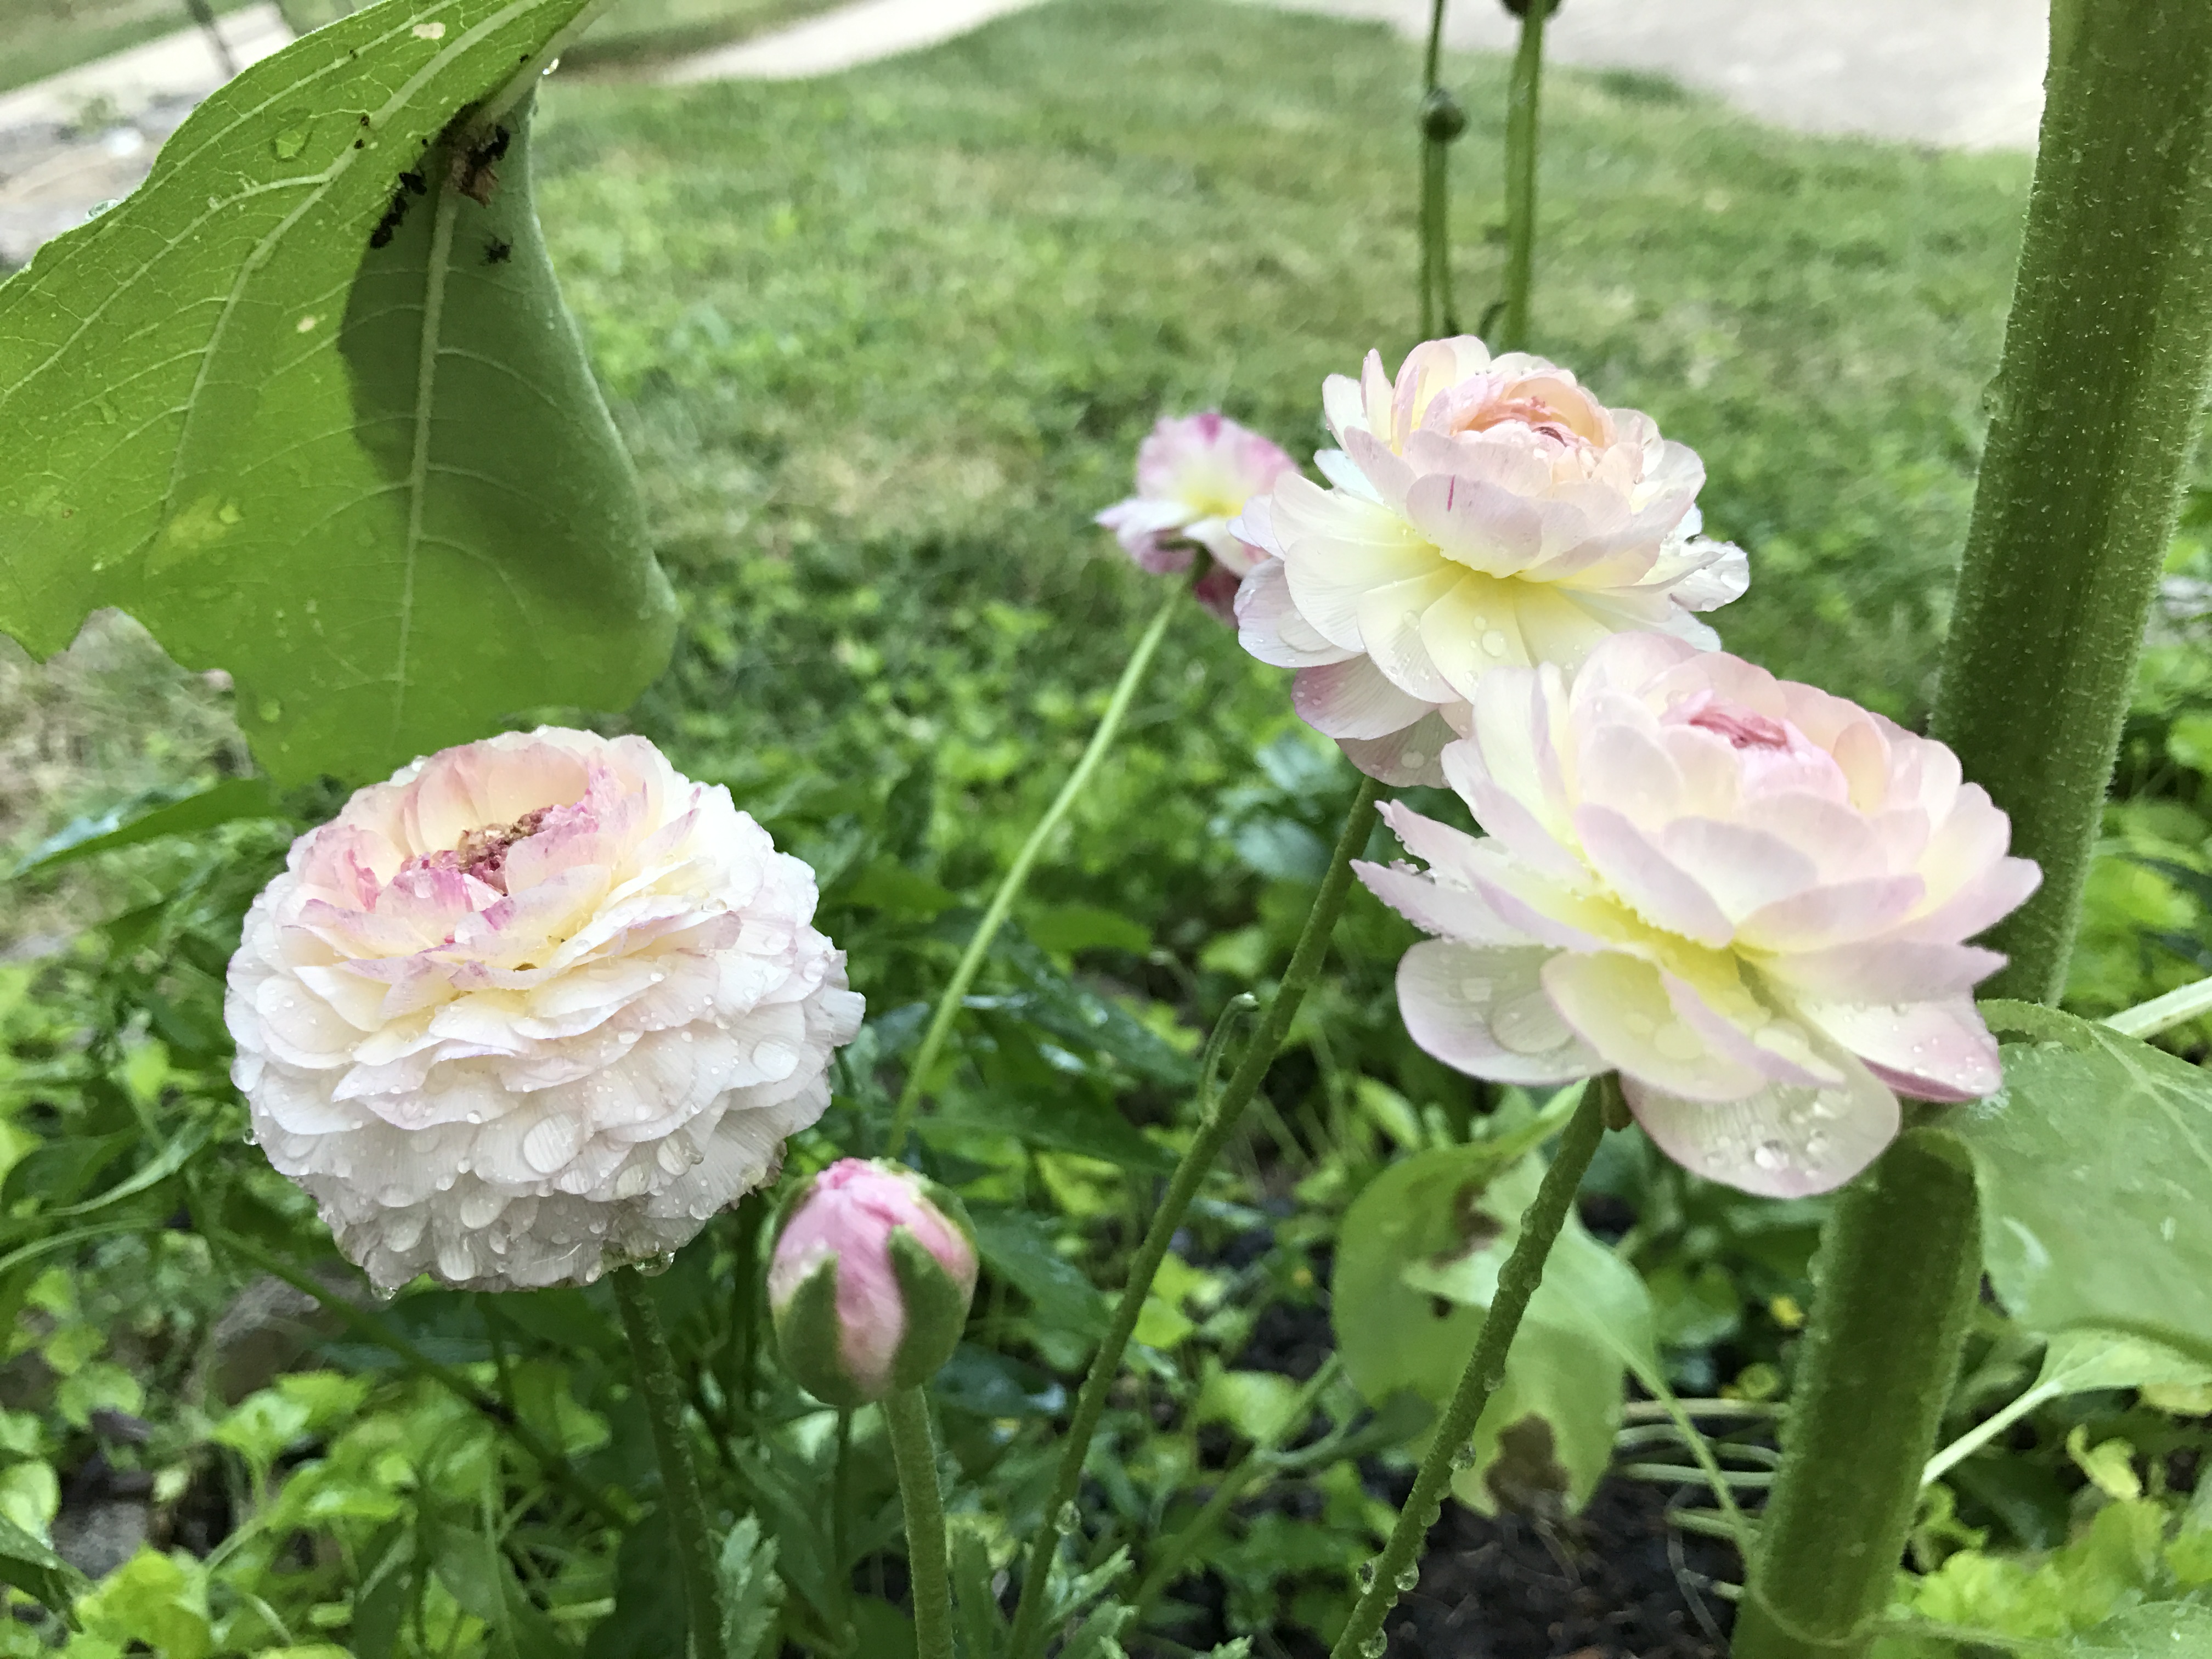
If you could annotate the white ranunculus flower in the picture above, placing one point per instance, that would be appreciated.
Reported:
(536, 1006)
(1748, 897)
(1482, 513)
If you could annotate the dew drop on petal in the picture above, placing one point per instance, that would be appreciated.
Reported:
(1530, 1025)
(1769, 1155)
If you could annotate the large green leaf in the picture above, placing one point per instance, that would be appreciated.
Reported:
(1417, 1265)
(2094, 1163)
(2156, 1630)
(307, 404)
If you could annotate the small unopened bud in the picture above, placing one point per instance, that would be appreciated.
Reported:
(870, 1282)
(1441, 117)
(1520, 8)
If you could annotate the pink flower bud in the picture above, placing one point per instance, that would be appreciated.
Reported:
(870, 1282)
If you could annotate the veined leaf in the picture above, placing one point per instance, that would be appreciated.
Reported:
(2094, 1163)
(307, 405)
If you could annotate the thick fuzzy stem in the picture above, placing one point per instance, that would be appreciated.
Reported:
(913, 1449)
(1213, 1134)
(1486, 1370)
(1899, 1264)
(679, 1478)
(2095, 411)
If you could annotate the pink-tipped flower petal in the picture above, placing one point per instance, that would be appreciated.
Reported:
(536, 1005)
(1749, 899)
(1480, 514)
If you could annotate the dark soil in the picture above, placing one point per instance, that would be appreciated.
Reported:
(1615, 1581)
(1605, 1584)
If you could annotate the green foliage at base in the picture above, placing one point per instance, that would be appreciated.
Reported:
(881, 344)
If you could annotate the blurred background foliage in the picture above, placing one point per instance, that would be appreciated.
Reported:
(881, 345)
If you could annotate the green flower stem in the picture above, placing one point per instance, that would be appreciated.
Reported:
(913, 1449)
(1435, 193)
(1258, 1464)
(1010, 885)
(1221, 1122)
(610, 1510)
(2177, 1007)
(679, 1479)
(1485, 1371)
(1523, 90)
(2095, 411)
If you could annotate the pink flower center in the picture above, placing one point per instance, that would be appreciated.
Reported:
(481, 852)
(1773, 756)
(1555, 411)
(1741, 727)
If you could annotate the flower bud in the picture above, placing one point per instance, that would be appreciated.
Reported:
(1443, 117)
(870, 1282)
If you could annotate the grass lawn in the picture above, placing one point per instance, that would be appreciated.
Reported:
(884, 343)
(922, 313)
(637, 31)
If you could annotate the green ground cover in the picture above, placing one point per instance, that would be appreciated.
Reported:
(881, 344)
(880, 368)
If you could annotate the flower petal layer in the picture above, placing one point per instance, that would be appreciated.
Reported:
(537, 1005)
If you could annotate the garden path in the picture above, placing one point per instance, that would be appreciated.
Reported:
(858, 33)
(88, 135)
(1964, 74)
